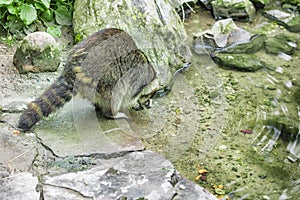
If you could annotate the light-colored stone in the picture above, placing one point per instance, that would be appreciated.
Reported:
(37, 52)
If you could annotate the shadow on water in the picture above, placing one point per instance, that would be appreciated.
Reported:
(248, 139)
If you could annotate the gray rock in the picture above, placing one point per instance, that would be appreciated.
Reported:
(37, 52)
(154, 25)
(227, 33)
(255, 44)
(136, 175)
(186, 189)
(226, 37)
(236, 9)
(19, 186)
(19, 149)
(291, 21)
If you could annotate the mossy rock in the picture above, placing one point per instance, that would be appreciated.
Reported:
(280, 43)
(294, 24)
(236, 9)
(37, 52)
(241, 62)
(287, 126)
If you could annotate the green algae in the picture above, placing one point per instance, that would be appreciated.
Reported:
(243, 62)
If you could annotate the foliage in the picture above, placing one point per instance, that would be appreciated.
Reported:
(25, 16)
(293, 2)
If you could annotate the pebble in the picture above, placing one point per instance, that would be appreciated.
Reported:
(292, 159)
(265, 197)
(222, 147)
(182, 187)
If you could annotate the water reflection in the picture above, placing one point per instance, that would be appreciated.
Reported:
(265, 163)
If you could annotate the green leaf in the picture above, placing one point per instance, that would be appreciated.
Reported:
(28, 14)
(63, 16)
(42, 5)
(55, 31)
(46, 3)
(2, 13)
(29, 29)
(39, 6)
(6, 2)
(13, 24)
(47, 15)
(78, 38)
(12, 10)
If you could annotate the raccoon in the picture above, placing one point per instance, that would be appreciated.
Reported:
(108, 69)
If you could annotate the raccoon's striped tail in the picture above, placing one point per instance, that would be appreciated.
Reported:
(54, 97)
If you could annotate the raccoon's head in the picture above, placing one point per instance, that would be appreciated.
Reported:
(146, 95)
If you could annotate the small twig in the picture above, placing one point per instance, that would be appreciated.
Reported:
(17, 157)
(183, 13)
(190, 7)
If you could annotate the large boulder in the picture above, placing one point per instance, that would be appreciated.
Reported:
(154, 25)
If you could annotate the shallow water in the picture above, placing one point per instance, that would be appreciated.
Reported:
(248, 133)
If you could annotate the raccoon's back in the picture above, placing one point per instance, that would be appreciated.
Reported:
(98, 63)
(96, 55)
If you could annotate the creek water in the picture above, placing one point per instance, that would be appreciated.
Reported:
(248, 134)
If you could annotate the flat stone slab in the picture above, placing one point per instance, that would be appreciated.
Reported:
(77, 130)
(17, 151)
(136, 175)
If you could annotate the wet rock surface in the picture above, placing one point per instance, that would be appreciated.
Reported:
(231, 47)
(226, 37)
(37, 52)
